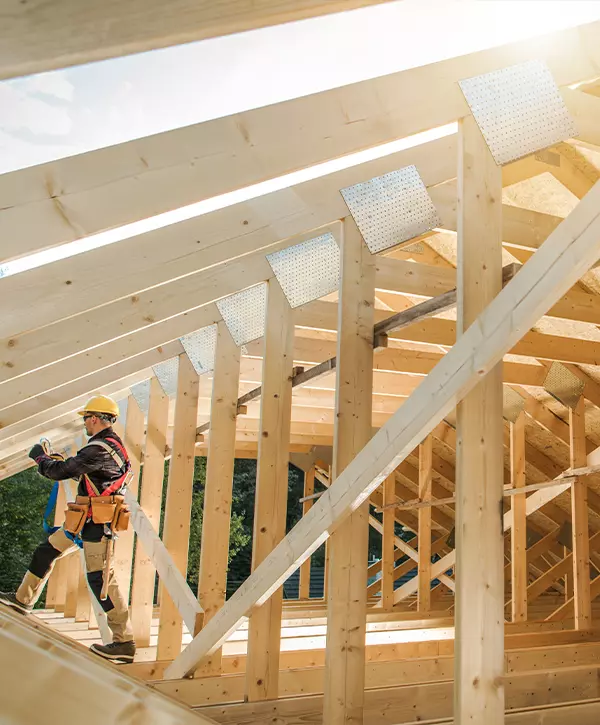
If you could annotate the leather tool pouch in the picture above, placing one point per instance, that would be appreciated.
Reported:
(122, 515)
(75, 517)
(103, 509)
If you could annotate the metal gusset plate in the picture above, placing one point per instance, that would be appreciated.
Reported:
(309, 270)
(563, 385)
(141, 393)
(391, 209)
(244, 313)
(519, 110)
(166, 373)
(200, 348)
(512, 404)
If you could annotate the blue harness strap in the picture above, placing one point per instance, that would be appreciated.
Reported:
(50, 506)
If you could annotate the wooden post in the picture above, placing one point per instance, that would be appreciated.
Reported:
(214, 550)
(347, 591)
(579, 516)
(178, 507)
(309, 489)
(479, 652)
(518, 536)
(388, 550)
(133, 439)
(144, 573)
(424, 539)
(264, 627)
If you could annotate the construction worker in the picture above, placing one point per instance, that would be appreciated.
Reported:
(101, 467)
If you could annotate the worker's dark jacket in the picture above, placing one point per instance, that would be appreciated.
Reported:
(99, 465)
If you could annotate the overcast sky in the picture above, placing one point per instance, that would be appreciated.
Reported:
(56, 114)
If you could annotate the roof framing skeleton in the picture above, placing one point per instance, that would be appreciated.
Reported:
(167, 284)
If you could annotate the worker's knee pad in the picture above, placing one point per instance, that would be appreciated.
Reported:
(95, 581)
(42, 559)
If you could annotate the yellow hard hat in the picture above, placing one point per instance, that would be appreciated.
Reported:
(100, 404)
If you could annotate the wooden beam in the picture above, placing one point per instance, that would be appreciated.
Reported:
(348, 545)
(214, 550)
(564, 257)
(579, 517)
(27, 647)
(425, 482)
(38, 41)
(479, 615)
(132, 369)
(173, 253)
(133, 438)
(156, 315)
(309, 493)
(117, 185)
(144, 574)
(388, 550)
(178, 506)
(271, 491)
(518, 534)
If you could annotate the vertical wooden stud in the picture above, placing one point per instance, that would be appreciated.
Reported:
(309, 489)
(518, 535)
(579, 516)
(347, 591)
(144, 573)
(264, 627)
(424, 533)
(214, 550)
(133, 439)
(178, 507)
(479, 653)
(388, 550)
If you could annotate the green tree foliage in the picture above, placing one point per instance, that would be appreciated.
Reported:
(22, 502)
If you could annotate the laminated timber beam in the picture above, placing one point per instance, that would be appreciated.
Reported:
(37, 40)
(566, 255)
(122, 184)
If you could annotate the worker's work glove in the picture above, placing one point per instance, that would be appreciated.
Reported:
(57, 457)
(37, 452)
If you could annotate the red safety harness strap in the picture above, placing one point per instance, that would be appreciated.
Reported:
(121, 462)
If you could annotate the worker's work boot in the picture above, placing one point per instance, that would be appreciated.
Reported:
(11, 601)
(120, 652)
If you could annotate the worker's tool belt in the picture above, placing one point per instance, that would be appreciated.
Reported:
(108, 507)
(110, 510)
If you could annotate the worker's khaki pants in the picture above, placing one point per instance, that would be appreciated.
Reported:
(117, 612)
